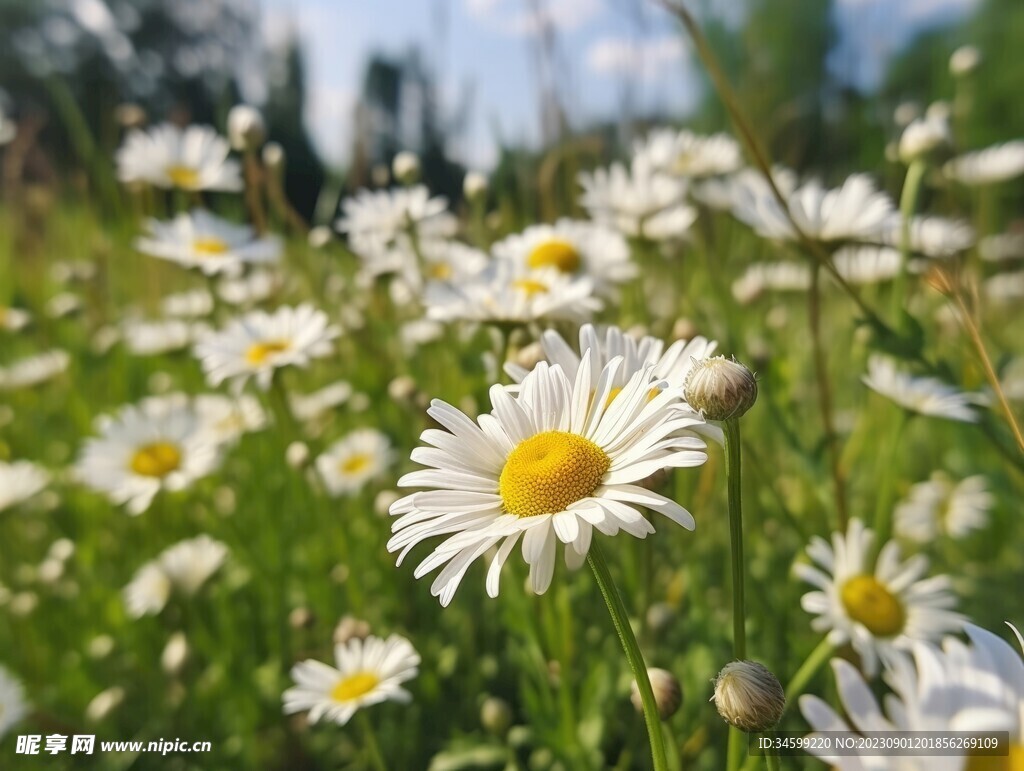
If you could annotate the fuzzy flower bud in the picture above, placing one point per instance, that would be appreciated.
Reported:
(668, 694)
(175, 654)
(406, 167)
(273, 157)
(964, 61)
(720, 388)
(748, 696)
(474, 185)
(495, 715)
(246, 129)
(924, 137)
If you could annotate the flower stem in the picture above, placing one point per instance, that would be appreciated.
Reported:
(372, 747)
(733, 453)
(808, 669)
(883, 510)
(908, 204)
(620, 620)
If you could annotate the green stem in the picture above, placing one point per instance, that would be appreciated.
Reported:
(733, 453)
(771, 761)
(908, 205)
(372, 747)
(883, 511)
(808, 670)
(620, 620)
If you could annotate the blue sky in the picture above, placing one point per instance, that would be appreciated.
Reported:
(609, 56)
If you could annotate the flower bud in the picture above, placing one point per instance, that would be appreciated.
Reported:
(297, 454)
(406, 167)
(273, 157)
(320, 236)
(495, 715)
(301, 618)
(720, 388)
(748, 696)
(104, 703)
(924, 137)
(474, 186)
(175, 654)
(349, 628)
(130, 115)
(964, 61)
(668, 694)
(246, 129)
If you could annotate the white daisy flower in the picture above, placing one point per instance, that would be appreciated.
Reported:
(929, 235)
(572, 247)
(939, 506)
(672, 365)
(551, 463)
(685, 154)
(771, 276)
(505, 295)
(194, 158)
(348, 464)
(13, 706)
(154, 338)
(878, 606)
(924, 395)
(202, 240)
(260, 343)
(369, 671)
(183, 567)
(1002, 247)
(161, 443)
(862, 264)
(312, 405)
(924, 136)
(722, 192)
(227, 418)
(998, 163)
(13, 319)
(384, 214)
(257, 286)
(33, 370)
(418, 332)
(856, 211)
(19, 481)
(964, 60)
(193, 304)
(1004, 287)
(637, 200)
(976, 688)
(63, 305)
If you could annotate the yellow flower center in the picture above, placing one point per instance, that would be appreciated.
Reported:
(355, 463)
(352, 687)
(209, 245)
(183, 176)
(441, 271)
(156, 460)
(258, 353)
(1013, 761)
(873, 605)
(555, 253)
(684, 161)
(530, 286)
(549, 471)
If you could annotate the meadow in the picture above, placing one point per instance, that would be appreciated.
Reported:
(866, 373)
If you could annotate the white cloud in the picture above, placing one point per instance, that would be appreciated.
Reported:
(508, 16)
(635, 58)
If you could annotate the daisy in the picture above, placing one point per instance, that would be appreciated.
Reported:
(384, 214)
(312, 405)
(672, 365)
(183, 567)
(573, 248)
(194, 158)
(13, 319)
(19, 481)
(1004, 287)
(879, 606)
(227, 419)
(12, 702)
(723, 192)
(856, 211)
(201, 240)
(637, 200)
(998, 163)
(369, 671)
(771, 276)
(348, 464)
(976, 688)
(929, 235)
(867, 264)
(1002, 246)
(161, 443)
(260, 343)
(154, 338)
(192, 304)
(257, 286)
(685, 154)
(551, 463)
(506, 295)
(924, 395)
(939, 505)
(33, 370)
(924, 136)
